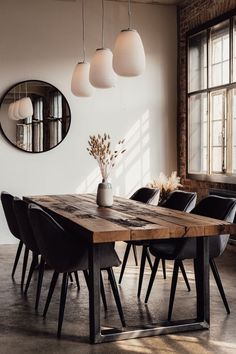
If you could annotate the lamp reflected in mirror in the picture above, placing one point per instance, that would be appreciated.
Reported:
(38, 120)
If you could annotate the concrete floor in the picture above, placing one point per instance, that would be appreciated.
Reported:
(24, 331)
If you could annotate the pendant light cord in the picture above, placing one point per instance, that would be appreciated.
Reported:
(26, 93)
(83, 24)
(129, 13)
(103, 14)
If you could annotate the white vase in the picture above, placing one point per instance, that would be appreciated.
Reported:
(104, 194)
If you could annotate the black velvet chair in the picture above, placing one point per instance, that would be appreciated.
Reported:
(65, 252)
(7, 203)
(183, 201)
(180, 249)
(180, 200)
(20, 208)
(147, 196)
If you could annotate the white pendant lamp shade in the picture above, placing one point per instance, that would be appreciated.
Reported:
(101, 73)
(16, 114)
(80, 85)
(25, 107)
(11, 111)
(128, 55)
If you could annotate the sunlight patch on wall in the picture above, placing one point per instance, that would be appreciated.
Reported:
(133, 169)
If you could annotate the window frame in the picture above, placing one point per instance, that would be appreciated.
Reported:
(221, 177)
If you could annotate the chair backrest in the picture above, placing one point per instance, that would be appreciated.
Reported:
(181, 200)
(20, 208)
(65, 251)
(7, 203)
(221, 208)
(50, 238)
(146, 195)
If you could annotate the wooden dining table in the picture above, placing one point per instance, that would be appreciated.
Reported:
(129, 220)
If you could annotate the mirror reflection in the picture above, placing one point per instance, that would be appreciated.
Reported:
(34, 116)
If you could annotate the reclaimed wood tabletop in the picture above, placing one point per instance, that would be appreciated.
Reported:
(128, 219)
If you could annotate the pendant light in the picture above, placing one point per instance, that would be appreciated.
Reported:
(128, 54)
(101, 73)
(11, 111)
(26, 106)
(11, 107)
(80, 85)
(16, 110)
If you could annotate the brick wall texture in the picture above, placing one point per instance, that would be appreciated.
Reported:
(191, 14)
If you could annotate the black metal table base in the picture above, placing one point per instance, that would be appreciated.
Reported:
(99, 335)
(110, 335)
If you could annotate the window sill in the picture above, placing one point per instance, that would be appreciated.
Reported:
(231, 179)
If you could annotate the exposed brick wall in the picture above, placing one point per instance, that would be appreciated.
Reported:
(191, 14)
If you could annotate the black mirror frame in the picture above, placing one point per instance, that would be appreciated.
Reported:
(2, 131)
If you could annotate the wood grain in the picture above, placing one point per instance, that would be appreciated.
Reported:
(128, 220)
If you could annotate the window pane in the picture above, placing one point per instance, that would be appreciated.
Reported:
(234, 159)
(216, 159)
(197, 62)
(218, 131)
(234, 50)
(198, 133)
(219, 54)
(234, 131)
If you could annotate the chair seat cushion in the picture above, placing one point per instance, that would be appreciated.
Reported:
(167, 249)
(78, 259)
(174, 248)
(139, 243)
(185, 248)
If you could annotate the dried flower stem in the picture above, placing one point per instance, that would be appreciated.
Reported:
(166, 184)
(99, 148)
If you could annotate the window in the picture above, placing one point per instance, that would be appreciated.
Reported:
(212, 101)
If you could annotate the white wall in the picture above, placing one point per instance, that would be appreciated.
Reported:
(42, 40)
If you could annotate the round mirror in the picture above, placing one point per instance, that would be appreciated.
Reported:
(34, 116)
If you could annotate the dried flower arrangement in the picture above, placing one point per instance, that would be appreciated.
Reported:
(100, 149)
(166, 184)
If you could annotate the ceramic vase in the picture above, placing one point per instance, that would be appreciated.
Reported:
(104, 194)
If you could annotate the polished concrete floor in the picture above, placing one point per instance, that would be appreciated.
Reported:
(24, 331)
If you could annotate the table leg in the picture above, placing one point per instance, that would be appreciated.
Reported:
(94, 294)
(97, 335)
(202, 280)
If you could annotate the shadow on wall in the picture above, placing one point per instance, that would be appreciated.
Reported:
(133, 170)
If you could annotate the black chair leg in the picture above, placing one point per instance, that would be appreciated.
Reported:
(219, 284)
(26, 254)
(40, 281)
(152, 278)
(71, 278)
(173, 288)
(184, 275)
(77, 280)
(104, 300)
(116, 295)
(135, 254)
(62, 303)
(86, 277)
(18, 252)
(141, 271)
(34, 263)
(149, 258)
(127, 250)
(50, 292)
(163, 262)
